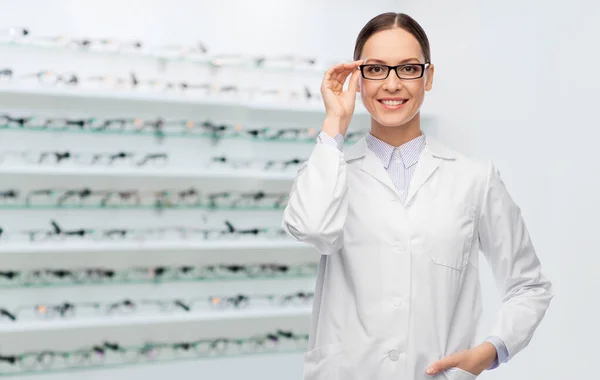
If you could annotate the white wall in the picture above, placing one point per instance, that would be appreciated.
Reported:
(528, 100)
(515, 82)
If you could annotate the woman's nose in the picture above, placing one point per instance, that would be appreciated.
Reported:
(392, 83)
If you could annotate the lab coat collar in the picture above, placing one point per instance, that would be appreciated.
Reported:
(432, 147)
(428, 163)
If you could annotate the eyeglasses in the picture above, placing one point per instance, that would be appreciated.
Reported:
(53, 78)
(160, 127)
(114, 353)
(159, 274)
(88, 159)
(408, 71)
(256, 163)
(86, 197)
(229, 232)
(67, 309)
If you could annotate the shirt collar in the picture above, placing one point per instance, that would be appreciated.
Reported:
(409, 151)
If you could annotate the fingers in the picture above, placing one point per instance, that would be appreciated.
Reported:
(442, 364)
(353, 85)
(348, 69)
(337, 75)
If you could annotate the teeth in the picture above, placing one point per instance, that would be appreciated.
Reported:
(392, 102)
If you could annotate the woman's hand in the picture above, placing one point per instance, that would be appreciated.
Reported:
(474, 360)
(339, 104)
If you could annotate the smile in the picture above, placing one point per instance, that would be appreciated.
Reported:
(393, 104)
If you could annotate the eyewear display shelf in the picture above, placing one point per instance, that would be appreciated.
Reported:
(201, 231)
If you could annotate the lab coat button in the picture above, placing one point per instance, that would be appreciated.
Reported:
(393, 355)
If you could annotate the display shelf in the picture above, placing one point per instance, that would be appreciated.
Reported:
(151, 55)
(137, 207)
(351, 137)
(235, 316)
(153, 246)
(208, 175)
(136, 338)
(276, 355)
(166, 133)
(271, 277)
(226, 104)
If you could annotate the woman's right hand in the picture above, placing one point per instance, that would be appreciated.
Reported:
(339, 104)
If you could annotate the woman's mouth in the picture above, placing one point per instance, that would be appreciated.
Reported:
(392, 104)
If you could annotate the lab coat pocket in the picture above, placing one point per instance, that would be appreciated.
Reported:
(322, 363)
(455, 373)
(450, 234)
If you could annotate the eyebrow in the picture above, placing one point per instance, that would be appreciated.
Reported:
(401, 62)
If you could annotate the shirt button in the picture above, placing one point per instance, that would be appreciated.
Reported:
(393, 355)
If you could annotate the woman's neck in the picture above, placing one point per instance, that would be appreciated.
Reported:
(399, 135)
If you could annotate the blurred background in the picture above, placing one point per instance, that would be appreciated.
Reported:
(147, 149)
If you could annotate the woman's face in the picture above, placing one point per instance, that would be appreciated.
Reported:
(394, 47)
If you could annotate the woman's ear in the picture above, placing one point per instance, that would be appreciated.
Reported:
(429, 73)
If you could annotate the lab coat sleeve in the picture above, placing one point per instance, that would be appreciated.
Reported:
(506, 245)
(318, 201)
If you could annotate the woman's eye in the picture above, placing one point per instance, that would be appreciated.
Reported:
(409, 68)
(376, 69)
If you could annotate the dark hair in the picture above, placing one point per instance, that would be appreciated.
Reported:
(392, 20)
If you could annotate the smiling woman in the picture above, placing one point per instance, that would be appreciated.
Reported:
(399, 220)
(394, 42)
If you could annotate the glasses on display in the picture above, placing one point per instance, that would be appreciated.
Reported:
(66, 310)
(157, 274)
(380, 72)
(23, 35)
(131, 81)
(198, 50)
(281, 165)
(13, 33)
(160, 199)
(285, 61)
(86, 159)
(161, 127)
(181, 86)
(52, 78)
(102, 44)
(167, 233)
(110, 352)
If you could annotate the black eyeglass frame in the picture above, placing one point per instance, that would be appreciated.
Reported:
(395, 68)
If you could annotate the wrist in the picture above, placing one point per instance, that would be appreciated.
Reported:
(488, 351)
(334, 125)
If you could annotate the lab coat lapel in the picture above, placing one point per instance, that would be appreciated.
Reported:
(426, 166)
(372, 165)
(429, 161)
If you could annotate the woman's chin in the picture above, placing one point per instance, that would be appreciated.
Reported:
(392, 122)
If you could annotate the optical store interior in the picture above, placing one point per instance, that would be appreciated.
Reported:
(147, 150)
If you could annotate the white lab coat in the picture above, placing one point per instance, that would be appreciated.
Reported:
(397, 286)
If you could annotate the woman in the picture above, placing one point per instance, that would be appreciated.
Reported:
(399, 220)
